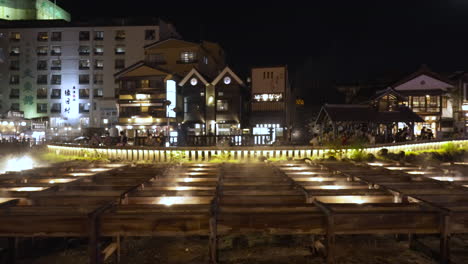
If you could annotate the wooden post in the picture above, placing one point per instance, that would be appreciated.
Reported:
(444, 239)
(330, 238)
(12, 250)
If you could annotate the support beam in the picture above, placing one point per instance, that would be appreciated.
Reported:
(444, 239)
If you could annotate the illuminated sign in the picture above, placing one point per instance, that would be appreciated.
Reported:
(171, 96)
(274, 97)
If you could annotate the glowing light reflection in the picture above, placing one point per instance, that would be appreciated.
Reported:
(331, 187)
(27, 189)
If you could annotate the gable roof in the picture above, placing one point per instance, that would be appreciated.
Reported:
(231, 73)
(423, 70)
(389, 91)
(192, 72)
(163, 43)
(141, 69)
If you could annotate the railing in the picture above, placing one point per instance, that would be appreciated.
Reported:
(229, 140)
(161, 154)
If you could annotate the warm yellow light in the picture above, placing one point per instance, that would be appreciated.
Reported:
(99, 169)
(331, 187)
(52, 182)
(81, 174)
(187, 179)
(171, 200)
(375, 164)
(28, 189)
(416, 172)
(357, 200)
(305, 173)
(319, 179)
(182, 188)
(142, 96)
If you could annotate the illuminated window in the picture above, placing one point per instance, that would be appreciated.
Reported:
(84, 64)
(56, 79)
(119, 64)
(56, 108)
(188, 57)
(120, 50)
(120, 35)
(150, 34)
(56, 94)
(14, 79)
(56, 51)
(56, 36)
(42, 36)
(98, 35)
(144, 84)
(99, 50)
(42, 50)
(84, 107)
(42, 108)
(84, 93)
(14, 51)
(15, 36)
(41, 93)
(277, 97)
(84, 50)
(222, 105)
(98, 64)
(83, 79)
(98, 93)
(84, 35)
(56, 65)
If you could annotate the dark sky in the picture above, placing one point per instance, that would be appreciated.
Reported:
(323, 42)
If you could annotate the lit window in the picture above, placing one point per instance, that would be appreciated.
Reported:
(56, 51)
(187, 57)
(42, 36)
(99, 35)
(84, 93)
(98, 93)
(84, 50)
(41, 93)
(120, 35)
(14, 79)
(56, 79)
(42, 50)
(99, 64)
(56, 94)
(268, 97)
(120, 50)
(42, 108)
(14, 51)
(56, 65)
(84, 64)
(84, 107)
(144, 84)
(222, 105)
(15, 36)
(99, 50)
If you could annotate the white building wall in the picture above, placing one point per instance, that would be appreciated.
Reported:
(134, 42)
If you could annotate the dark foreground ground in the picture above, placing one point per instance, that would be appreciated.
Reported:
(251, 250)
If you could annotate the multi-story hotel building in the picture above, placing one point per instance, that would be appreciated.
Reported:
(65, 71)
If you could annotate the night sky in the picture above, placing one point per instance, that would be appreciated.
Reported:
(323, 42)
